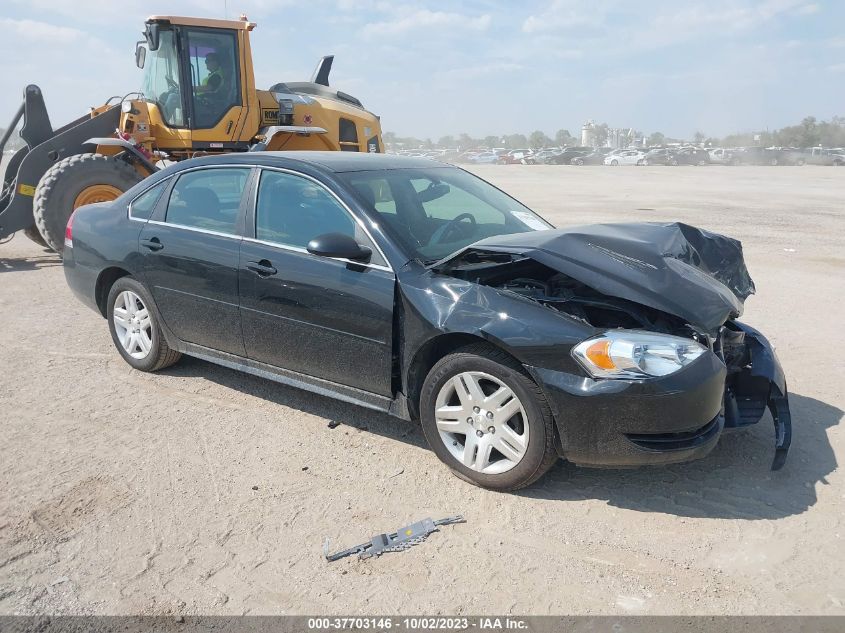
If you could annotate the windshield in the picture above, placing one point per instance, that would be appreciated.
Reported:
(436, 211)
(161, 80)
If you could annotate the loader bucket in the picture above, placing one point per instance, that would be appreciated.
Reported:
(44, 147)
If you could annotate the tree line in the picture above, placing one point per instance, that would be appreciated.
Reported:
(809, 133)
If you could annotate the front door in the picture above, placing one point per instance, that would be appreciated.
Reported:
(324, 317)
(190, 258)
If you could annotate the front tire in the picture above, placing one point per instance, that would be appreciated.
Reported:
(73, 182)
(614, 163)
(134, 329)
(487, 420)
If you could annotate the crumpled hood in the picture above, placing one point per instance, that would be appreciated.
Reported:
(677, 268)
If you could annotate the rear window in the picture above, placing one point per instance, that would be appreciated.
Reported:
(208, 199)
(141, 208)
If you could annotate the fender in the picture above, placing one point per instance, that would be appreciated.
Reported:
(133, 153)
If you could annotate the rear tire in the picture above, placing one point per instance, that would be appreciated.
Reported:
(528, 444)
(72, 182)
(135, 331)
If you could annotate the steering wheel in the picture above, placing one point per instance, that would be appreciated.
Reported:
(450, 227)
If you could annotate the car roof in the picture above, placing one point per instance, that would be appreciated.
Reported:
(329, 161)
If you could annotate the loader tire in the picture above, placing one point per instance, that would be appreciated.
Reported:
(73, 182)
(33, 234)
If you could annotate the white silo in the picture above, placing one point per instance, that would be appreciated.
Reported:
(588, 134)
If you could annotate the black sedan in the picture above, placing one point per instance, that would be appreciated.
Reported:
(415, 288)
(565, 157)
(596, 157)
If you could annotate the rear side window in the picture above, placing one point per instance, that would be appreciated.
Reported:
(292, 211)
(141, 208)
(208, 199)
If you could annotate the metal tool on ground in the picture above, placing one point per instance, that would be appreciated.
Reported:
(397, 541)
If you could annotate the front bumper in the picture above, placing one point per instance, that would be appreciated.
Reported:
(677, 418)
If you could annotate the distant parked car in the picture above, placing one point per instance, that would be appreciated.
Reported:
(660, 156)
(822, 156)
(543, 156)
(517, 156)
(566, 156)
(596, 157)
(487, 158)
(692, 156)
(721, 156)
(763, 156)
(625, 157)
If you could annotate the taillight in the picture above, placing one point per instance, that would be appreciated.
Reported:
(69, 231)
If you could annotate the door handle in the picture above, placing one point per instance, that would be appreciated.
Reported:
(154, 244)
(263, 268)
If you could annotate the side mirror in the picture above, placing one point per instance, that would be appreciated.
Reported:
(338, 245)
(140, 54)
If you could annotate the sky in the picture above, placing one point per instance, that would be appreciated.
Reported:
(482, 67)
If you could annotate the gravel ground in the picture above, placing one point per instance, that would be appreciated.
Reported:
(202, 490)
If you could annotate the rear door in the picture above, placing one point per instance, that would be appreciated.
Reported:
(190, 256)
(324, 317)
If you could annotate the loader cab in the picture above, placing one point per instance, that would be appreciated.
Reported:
(195, 82)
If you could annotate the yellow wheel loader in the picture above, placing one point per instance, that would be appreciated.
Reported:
(198, 97)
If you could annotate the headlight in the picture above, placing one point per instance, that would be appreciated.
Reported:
(635, 354)
(126, 106)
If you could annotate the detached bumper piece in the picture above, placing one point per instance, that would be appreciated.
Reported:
(779, 407)
(756, 382)
(397, 541)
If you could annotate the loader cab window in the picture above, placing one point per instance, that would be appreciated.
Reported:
(162, 84)
(215, 74)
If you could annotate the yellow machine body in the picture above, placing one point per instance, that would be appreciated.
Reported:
(292, 116)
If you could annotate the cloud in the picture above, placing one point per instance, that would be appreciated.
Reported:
(564, 15)
(35, 31)
(424, 19)
(808, 9)
(482, 70)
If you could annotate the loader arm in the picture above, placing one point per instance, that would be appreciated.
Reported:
(44, 147)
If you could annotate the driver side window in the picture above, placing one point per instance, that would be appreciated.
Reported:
(215, 75)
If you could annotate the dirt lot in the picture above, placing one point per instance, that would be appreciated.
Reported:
(201, 490)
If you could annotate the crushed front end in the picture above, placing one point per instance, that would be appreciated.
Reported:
(669, 288)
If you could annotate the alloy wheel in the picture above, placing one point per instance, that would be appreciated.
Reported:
(133, 325)
(482, 422)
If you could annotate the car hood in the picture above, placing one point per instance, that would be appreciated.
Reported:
(677, 268)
